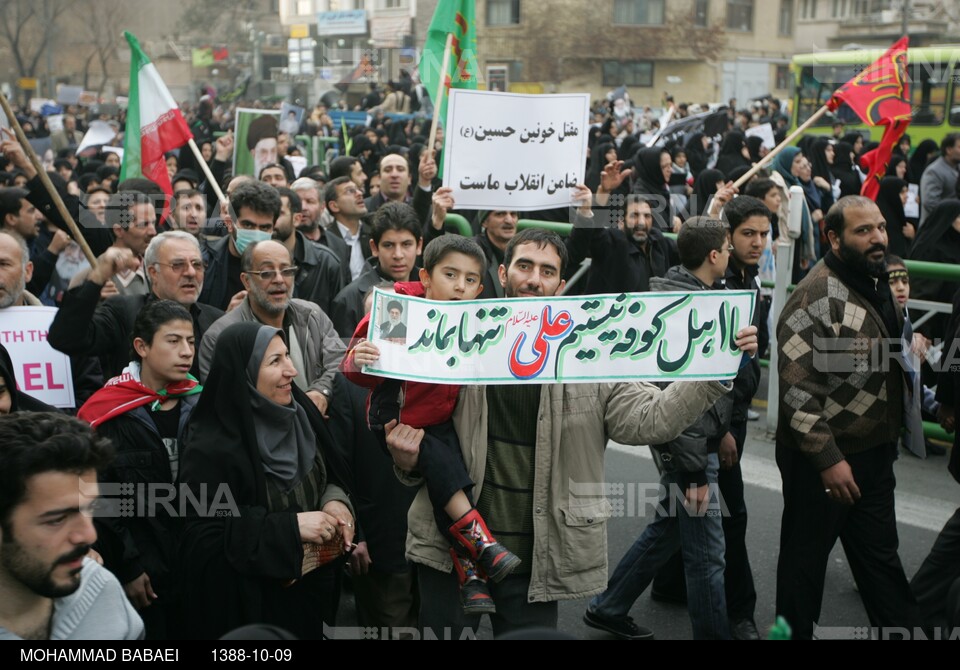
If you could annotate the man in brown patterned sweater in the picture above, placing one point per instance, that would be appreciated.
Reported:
(840, 418)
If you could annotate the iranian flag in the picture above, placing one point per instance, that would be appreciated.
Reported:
(154, 122)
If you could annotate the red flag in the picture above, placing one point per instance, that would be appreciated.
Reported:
(880, 95)
(875, 162)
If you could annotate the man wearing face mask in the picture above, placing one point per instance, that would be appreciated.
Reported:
(254, 210)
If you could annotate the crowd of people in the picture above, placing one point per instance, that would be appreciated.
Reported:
(217, 354)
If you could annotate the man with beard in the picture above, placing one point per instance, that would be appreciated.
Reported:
(524, 446)
(840, 418)
(319, 278)
(625, 257)
(394, 328)
(84, 327)
(49, 590)
(315, 348)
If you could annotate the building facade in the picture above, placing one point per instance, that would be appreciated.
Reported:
(696, 50)
(838, 24)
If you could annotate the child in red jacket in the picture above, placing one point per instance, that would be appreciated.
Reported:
(453, 266)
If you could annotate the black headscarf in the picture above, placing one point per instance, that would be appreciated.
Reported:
(851, 139)
(895, 161)
(597, 163)
(891, 206)
(628, 147)
(930, 242)
(225, 419)
(704, 188)
(818, 159)
(697, 157)
(648, 180)
(731, 153)
(919, 162)
(937, 242)
(754, 144)
(850, 183)
(19, 401)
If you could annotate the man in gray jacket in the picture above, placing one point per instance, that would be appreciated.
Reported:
(268, 275)
(524, 447)
(939, 181)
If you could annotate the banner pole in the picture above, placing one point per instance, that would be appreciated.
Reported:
(443, 82)
(47, 184)
(783, 145)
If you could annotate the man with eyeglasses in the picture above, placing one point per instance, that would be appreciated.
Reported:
(254, 209)
(84, 327)
(316, 350)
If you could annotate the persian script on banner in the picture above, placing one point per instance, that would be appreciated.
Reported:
(569, 340)
(517, 152)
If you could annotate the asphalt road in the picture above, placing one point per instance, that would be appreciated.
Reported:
(926, 497)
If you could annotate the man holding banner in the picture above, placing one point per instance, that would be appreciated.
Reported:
(551, 439)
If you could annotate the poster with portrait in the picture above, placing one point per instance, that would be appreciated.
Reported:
(256, 140)
(291, 118)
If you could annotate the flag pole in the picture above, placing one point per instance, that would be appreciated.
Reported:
(47, 184)
(436, 101)
(819, 114)
(206, 170)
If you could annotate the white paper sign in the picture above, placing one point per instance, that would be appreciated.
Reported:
(764, 132)
(912, 207)
(517, 152)
(99, 133)
(41, 371)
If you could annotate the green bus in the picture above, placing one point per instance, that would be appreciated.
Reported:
(934, 74)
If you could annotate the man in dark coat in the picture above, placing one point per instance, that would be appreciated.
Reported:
(627, 256)
(319, 278)
(85, 327)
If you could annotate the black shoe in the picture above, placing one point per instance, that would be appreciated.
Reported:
(670, 598)
(475, 598)
(624, 628)
(934, 449)
(744, 629)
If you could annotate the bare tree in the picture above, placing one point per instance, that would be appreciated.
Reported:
(103, 22)
(28, 26)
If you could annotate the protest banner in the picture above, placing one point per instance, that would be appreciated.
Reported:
(256, 143)
(569, 340)
(511, 151)
(41, 371)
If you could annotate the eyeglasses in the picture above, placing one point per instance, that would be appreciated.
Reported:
(268, 275)
(181, 265)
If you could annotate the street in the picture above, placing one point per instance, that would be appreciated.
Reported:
(926, 497)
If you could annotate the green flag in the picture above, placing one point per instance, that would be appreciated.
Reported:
(202, 57)
(459, 18)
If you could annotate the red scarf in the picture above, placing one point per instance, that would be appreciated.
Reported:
(126, 393)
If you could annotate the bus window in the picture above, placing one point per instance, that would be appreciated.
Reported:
(928, 93)
(817, 85)
(955, 102)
